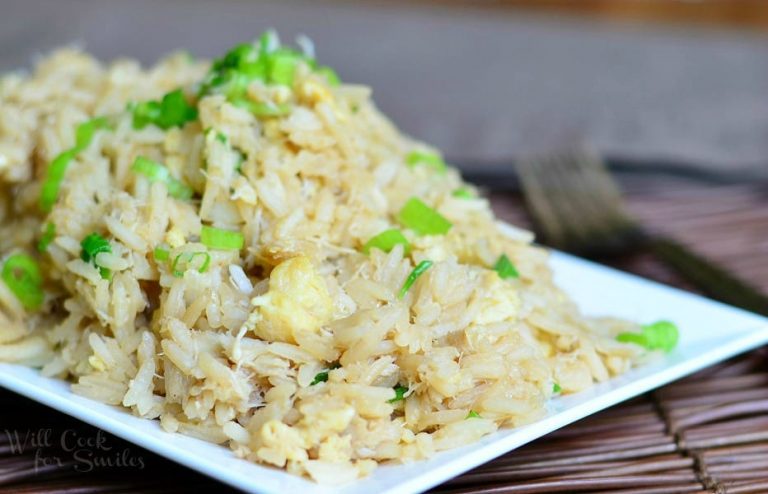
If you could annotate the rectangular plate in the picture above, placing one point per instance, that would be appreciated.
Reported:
(710, 332)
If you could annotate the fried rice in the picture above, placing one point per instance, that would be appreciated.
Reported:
(238, 287)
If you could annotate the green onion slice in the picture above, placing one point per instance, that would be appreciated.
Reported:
(661, 335)
(423, 219)
(399, 394)
(425, 158)
(269, 41)
(175, 111)
(262, 109)
(156, 172)
(93, 244)
(145, 113)
(320, 377)
(48, 235)
(238, 57)
(183, 262)
(330, 75)
(282, 66)
(386, 241)
(161, 254)
(55, 173)
(265, 61)
(85, 131)
(463, 193)
(22, 276)
(505, 268)
(417, 271)
(49, 191)
(171, 111)
(556, 388)
(473, 415)
(216, 238)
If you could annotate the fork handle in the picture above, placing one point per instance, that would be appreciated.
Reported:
(712, 279)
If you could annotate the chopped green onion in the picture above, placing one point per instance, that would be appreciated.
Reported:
(399, 394)
(463, 193)
(161, 254)
(661, 335)
(185, 259)
(85, 131)
(145, 113)
(49, 191)
(269, 41)
(238, 57)
(234, 85)
(282, 66)
(473, 415)
(505, 268)
(431, 160)
(320, 377)
(330, 75)
(386, 241)
(216, 238)
(262, 109)
(92, 245)
(22, 276)
(221, 138)
(156, 172)
(175, 111)
(239, 159)
(266, 61)
(423, 219)
(48, 235)
(556, 388)
(235, 70)
(417, 271)
(172, 111)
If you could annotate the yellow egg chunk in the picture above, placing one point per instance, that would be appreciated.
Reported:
(500, 303)
(297, 302)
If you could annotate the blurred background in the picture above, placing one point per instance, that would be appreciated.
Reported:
(651, 80)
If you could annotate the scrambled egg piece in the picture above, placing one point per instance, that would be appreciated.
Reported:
(297, 302)
(175, 237)
(502, 302)
(499, 302)
(281, 443)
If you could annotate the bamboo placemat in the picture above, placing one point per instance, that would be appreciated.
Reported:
(707, 433)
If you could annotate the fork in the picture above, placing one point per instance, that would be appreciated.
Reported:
(577, 207)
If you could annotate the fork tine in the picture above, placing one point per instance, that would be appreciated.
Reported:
(595, 175)
(576, 217)
(575, 202)
(537, 197)
(598, 198)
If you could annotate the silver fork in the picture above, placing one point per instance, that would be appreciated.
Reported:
(576, 206)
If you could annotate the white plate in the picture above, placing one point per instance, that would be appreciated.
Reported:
(710, 332)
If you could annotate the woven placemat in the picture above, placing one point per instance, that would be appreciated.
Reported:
(707, 433)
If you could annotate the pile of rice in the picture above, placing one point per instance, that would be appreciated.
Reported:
(236, 354)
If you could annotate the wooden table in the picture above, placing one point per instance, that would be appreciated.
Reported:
(704, 434)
